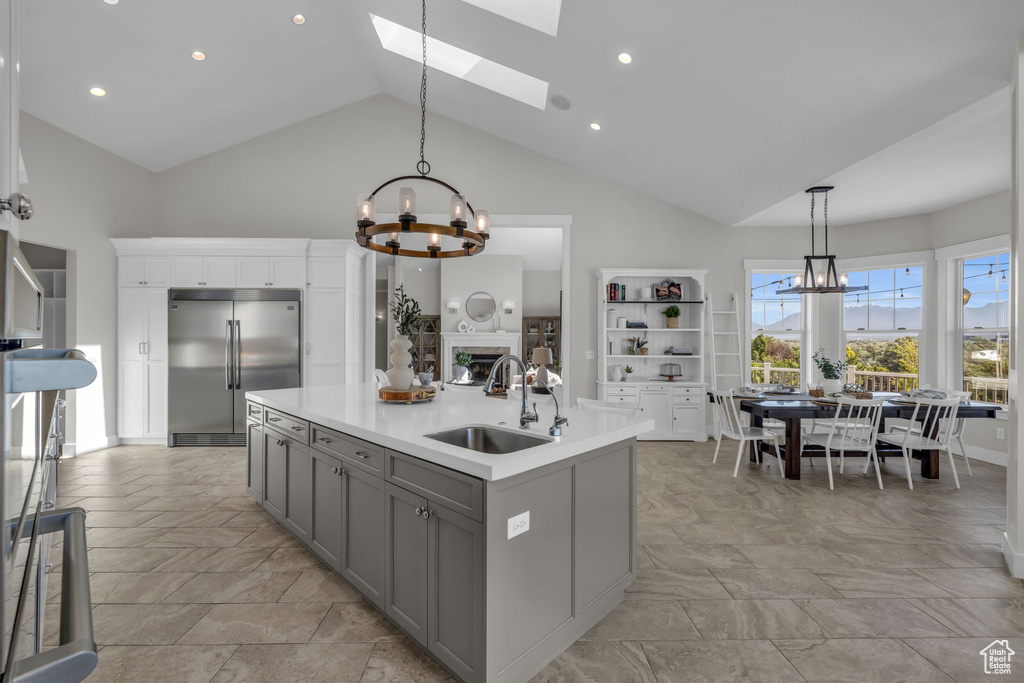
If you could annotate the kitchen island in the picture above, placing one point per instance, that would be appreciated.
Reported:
(493, 563)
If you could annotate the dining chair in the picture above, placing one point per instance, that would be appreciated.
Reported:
(853, 428)
(937, 418)
(958, 428)
(620, 408)
(382, 378)
(730, 425)
(769, 423)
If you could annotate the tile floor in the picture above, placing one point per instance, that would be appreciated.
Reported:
(747, 579)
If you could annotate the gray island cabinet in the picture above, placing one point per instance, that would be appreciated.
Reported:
(429, 545)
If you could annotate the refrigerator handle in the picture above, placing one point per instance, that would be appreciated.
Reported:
(238, 355)
(229, 345)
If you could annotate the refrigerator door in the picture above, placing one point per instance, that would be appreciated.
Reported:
(200, 384)
(267, 350)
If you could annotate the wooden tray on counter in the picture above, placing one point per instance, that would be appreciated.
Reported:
(410, 395)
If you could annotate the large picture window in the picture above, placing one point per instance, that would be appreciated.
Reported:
(776, 325)
(985, 326)
(882, 326)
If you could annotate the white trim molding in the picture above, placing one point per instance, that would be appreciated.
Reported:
(1014, 559)
(506, 342)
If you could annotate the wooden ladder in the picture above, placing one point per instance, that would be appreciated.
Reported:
(726, 353)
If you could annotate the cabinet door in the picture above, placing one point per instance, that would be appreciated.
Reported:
(325, 533)
(286, 271)
(686, 419)
(326, 271)
(131, 379)
(405, 558)
(275, 474)
(253, 271)
(323, 374)
(362, 533)
(156, 324)
(254, 453)
(186, 271)
(455, 568)
(9, 108)
(131, 324)
(219, 271)
(156, 272)
(156, 399)
(654, 405)
(325, 325)
(298, 501)
(131, 271)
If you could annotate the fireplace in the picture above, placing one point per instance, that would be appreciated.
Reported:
(481, 366)
(485, 347)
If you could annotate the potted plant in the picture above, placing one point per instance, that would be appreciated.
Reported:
(404, 311)
(629, 371)
(832, 372)
(460, 370)
(641, 346)
(671, 316)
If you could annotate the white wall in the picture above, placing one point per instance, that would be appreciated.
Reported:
(422, 285)
(499, 276)
(541, 289)
(82, 196)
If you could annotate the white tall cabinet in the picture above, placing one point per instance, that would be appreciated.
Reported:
(9, 109)
(678, 406)
(330, 273)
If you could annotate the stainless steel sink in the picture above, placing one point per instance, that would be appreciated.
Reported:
(484, 439)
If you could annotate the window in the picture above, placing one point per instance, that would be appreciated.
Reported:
(882, 325)
(985, 326)
(775, 330)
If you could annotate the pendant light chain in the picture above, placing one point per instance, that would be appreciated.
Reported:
(422, 166)
(825, 213)
(813, 251)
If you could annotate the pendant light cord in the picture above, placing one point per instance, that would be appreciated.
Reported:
(422, 166)
(825, 214)
(813, 252)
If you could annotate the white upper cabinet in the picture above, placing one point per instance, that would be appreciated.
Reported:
(326, 271)
(219, 271)
(186, 271)
(9, 109)
(143, 271)
(269, 271)
(203, 271)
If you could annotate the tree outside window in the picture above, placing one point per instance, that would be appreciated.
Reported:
(984, 326)
(775, 330)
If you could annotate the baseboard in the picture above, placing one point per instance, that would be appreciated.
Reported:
(1014, 560)
(71, 450)
(983, 454)
(149, 441)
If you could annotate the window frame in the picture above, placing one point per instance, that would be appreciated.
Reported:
(777, 267)
(962, 330)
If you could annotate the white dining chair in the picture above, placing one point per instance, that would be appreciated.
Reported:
(382, 378)
(617, 407)
(853, 427)
(936, 417)
(767, 424)
(730, 424)
(958, 428)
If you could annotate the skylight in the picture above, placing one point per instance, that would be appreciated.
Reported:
(541, 15)
(461, 64)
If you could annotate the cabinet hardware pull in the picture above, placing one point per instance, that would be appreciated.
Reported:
(362, 455)
(340, 471)
(419, 511)
(274, 419)
(280, 442)
(140, 282)
(334, 469)
(324, 439)
(296, 429)
(426, 514)
(140, 348)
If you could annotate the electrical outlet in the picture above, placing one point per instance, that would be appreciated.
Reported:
(519, 524)
(1000, 433)
(590, 355)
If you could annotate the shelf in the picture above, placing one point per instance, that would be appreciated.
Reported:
(626, 355)
(653, 329)
(653, 301)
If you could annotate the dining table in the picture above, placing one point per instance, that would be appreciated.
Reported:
(791, 409)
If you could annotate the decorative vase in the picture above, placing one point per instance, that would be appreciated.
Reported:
(401, 374)
(831, 386)
(616, 373)
(672, 323)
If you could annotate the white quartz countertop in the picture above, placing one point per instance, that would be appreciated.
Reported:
(356, 410)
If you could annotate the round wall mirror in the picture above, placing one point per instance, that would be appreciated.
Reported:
(480, 306)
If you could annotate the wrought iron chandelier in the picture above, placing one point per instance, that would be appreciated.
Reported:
(824, 279)
(461, 211)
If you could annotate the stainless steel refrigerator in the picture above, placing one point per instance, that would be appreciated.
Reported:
(221, 344)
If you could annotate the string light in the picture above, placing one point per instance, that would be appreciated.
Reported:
(908, 270)
(990, 271)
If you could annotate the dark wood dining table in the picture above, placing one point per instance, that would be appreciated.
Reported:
(791, 409)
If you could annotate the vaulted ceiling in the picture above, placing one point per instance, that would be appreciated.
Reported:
(730, 108)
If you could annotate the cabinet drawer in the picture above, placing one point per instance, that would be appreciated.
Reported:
(254, 411)
(687, 391)
(293, 427)
(694, 399)
(622, 398)
(454, 490)
(350, 449)
(619, 391)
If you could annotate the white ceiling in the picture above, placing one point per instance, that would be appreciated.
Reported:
(730, 107)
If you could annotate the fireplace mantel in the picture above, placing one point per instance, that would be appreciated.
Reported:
(501, 342)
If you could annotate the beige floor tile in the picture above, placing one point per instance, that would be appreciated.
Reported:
(250, 518)
(655, 534)
(882, 555)
(107, 518)
(258, 623)
(269, 536)
(320, 585)
(859, 661)
(975, 582)
(334, 663)
(290, 560)
(238, 503)
(750, 620)
(144, 624)
(960, 658)
(117, 537)
(730, 534)
(355, 622)
(880, 583)
(160, 663)
(401, 662)
(127, 560)
(977, 555)
(188, 518)
(778, 556)
(101, 491)
(773, 583)
(693, 556)
(873, 618)
(135, 588)
(599, 661)
(891, 534)
(645, 620)
(963, 533)
(668, 516)
(981, 617)
(788, 533)
(719, 661)
(168, 503)
(96, 503)
(166, 491)
(675, 584)
(216, 560)
(233, 587)
(182, 537)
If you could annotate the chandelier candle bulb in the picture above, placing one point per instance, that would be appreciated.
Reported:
(365, 214)
(844, 279)
(483, 223)
(458, 211)
(407, 205)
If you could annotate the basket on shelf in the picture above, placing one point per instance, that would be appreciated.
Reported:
(859, 394)
(817, 393)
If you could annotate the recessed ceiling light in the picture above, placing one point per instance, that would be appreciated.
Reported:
(595, 126)
(625, 57)
(198, 56)
(111, 2)
(98, 92)
(298, 20)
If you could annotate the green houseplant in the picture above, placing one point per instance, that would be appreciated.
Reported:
(832, 371)
(404, 311)
(460, 367)
(629, 371)
(671, 316)
(641, 346)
